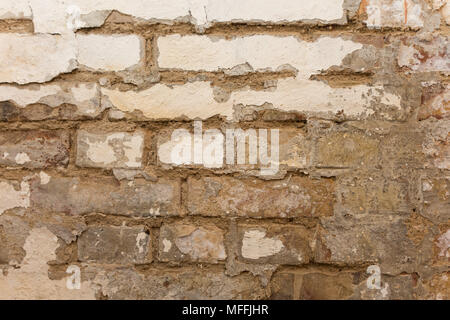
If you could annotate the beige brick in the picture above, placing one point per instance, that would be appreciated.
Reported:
(116, 245)
(105, 195)
(35, 58)
(274, 244)
(224, 196)
(346, 150)
(109, 52)
(186, 242)
(14, 194)
(110, 150)
(34, 148)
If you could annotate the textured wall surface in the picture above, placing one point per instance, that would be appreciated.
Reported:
(94, 204)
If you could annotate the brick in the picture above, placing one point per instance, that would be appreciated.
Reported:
(109, 52)
(435, 101)
(113, 150)
(436, 198)
(346, 150)
(19, 9)
(293, 150)
(192, 100)
(175, 284)
(275, 11)
(35, 58)
(428, 55)
(200, 12)
(208, 54)
(78, 196)
(197, 100)
(52, 101)
(436, 145)
(225, 196)
(116, 245)
(186, 242)
(312, 286)
(274, 244)
(34, 148)
(316, 98)
(14, 194)
(372, 194)
(393, 13)
(374, 239)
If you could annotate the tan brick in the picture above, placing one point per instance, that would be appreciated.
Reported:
(34, 149)
(110, 150)
(346, 150)
(275, 244)
(186, 242)
(116, 245)
(105, 195)
(225, 196)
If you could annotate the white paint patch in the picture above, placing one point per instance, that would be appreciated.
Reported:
(101, 152)
(202, 53)
(255, 245)
(193, 100)
(109, 53)
(45, 178)
(167, 245)
(11, 198)
(22, 158)
(141, 241)
(31, 281)
(444, 244)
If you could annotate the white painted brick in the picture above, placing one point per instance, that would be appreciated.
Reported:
(85, 96)
(109, 53)
(261, 52)
(114, 150)
(35, 58)
(316, 97)
(92, 13)
(394, 13)
(15, 9)
(274, 10)
(163, 102)
(196, 100)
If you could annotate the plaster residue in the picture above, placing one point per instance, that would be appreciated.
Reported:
(256, 245)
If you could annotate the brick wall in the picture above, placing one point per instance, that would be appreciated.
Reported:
(93, 204)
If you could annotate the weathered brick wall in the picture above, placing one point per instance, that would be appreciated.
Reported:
(91, 92)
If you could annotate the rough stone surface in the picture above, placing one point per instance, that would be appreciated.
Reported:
(224, 149)
(34, 149)
(104, 195)
(185, 242)
(105, 244)
(114, 150)
(299, 196)
(285, 245)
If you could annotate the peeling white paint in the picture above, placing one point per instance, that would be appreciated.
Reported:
(141, 242)
(45, 178)
(22, 158)
(12, 198)
(256, 245)
(31, 280)
(167, 245)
